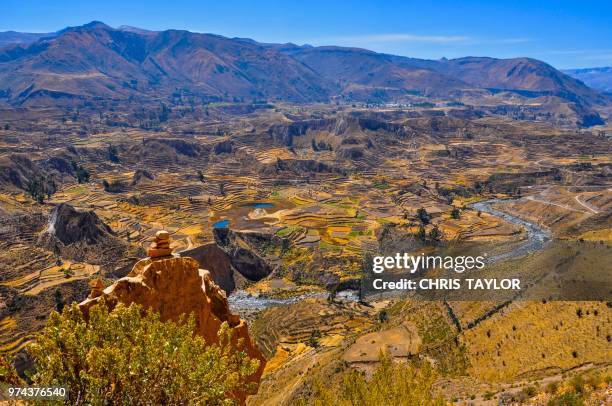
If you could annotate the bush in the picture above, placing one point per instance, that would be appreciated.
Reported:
(421, 233)
(59, 300)
(391, 384)
(40, 187)
(8, 374)
(435, 234)
(530, 391)
(578, 383)
(566, 399)
(113, 153)
(127, 356)
(552, 387)
(82, 174)
(115, 186)
(423, 216)
(383, 316)
(313, 340)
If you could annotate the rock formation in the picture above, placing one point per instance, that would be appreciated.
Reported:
(69, 225)
(215, 260)
(81, 236)
(140, 176)
(174, 286)
(97, 288)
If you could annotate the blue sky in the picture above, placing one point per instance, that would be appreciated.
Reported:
(566, 34)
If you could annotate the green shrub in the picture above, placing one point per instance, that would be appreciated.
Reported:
(391, 384)
(566, 399)
(127, 356)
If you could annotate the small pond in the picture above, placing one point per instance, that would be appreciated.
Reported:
(221, 224)
(262, 205)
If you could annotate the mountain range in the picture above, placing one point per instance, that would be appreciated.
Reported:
(597, 78)
(14, 37)
(95, 61)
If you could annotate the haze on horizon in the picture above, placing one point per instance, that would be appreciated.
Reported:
(566, 34)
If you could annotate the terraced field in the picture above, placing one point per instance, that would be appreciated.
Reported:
(35, 282)
(330, 185)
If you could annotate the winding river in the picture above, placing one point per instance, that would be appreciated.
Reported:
(537, 236)
(243, 301)
(536, 239)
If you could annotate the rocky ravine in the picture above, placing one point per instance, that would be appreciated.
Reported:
(174, 286)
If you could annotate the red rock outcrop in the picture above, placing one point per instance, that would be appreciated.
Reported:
(174, 286)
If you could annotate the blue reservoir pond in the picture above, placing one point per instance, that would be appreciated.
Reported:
(240, 212)
(221, 224)
(263, 205)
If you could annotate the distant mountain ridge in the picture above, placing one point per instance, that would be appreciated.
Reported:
(95, 61)
(13, 37)
(597, 78)
(523, 75)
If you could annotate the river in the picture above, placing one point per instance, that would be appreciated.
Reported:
(537, 236)
(536, 239)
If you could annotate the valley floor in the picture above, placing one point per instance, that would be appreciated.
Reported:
(291, 201)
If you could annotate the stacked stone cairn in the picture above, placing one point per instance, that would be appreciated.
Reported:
(160, 247)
